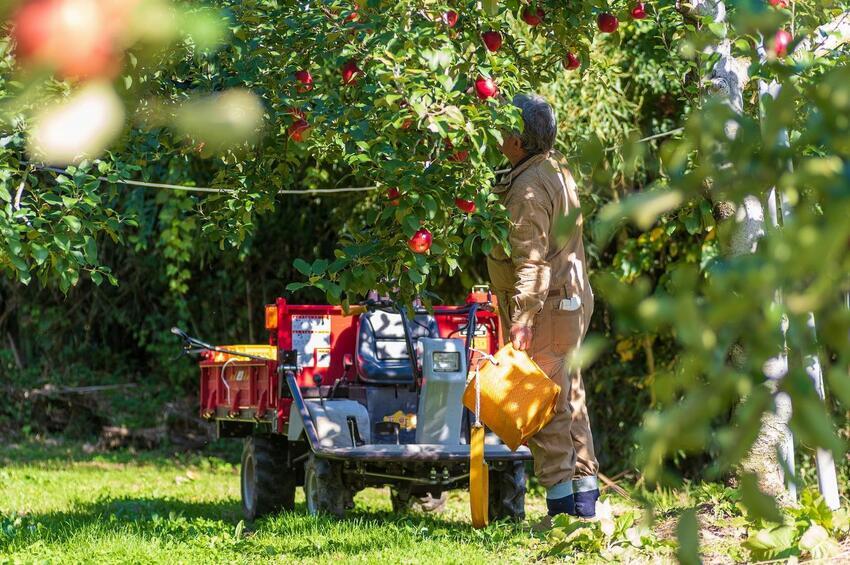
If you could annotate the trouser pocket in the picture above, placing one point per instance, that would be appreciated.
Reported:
(566, 329)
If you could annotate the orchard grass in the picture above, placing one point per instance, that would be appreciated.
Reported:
(61, 502)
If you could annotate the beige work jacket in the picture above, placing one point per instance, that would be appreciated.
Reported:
(547, 250)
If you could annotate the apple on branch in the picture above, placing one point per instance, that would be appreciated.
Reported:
(394, 196)
(607, 23)
(421, 241)
(572, 62)
(781, 40)
(305, 80)
(533, 17)
(349, 72)
(75, 38)
(485, 88)
(638, 11)
(466, 206)
(492, 40)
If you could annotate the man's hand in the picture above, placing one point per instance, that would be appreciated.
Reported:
(521, 337)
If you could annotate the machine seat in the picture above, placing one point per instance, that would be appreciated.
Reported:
(381, 349)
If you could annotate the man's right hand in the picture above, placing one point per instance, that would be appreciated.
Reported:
(521, 337)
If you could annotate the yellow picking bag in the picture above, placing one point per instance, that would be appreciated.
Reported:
(517, 398)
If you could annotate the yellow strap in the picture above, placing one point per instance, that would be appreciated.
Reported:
(479, 479)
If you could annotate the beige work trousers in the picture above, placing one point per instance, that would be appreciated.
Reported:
(563, 450)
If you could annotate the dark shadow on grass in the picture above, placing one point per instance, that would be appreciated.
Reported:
(59, 453)
(147, 517)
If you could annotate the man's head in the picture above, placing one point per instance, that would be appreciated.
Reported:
(539, 129)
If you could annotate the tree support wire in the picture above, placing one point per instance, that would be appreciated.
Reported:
(318, 192)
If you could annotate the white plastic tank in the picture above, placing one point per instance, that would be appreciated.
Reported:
(440, 411)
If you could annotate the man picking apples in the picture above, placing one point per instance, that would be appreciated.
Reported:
(545, 299)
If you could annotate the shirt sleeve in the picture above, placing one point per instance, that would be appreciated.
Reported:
(529, 239)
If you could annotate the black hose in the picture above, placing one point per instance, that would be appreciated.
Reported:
(471, 322)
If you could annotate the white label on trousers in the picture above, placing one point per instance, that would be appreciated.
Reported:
(570, 304)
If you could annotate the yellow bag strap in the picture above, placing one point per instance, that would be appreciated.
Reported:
(479, 473)
(479, 479)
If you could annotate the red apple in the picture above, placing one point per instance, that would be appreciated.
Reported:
(394, 195)
(450, 18)
(466, 206)
(639, 11)
(456, 156)
(299, 130)
(421, 241)
(353, 16)
(485, 88)
(533, 17)
(607, 23)
(459, 156)
(297, 113)
(572, 62)
(305, 79)
(492, 40)
(781, 4)
(76, 38)
(781, 41)
(349, 71)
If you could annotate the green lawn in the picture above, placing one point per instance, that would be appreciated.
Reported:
(59, 504)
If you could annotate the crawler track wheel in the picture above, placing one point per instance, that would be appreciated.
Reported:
(507, 492)
(324, 489)
(267, 483)
(405, 502)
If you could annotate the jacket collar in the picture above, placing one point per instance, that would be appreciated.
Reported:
(507, 180)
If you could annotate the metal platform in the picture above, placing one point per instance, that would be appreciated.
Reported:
(421, 452)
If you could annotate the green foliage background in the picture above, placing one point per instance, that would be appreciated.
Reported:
(672, 308)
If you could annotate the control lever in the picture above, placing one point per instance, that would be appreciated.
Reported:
(354, 431)
(317, 380)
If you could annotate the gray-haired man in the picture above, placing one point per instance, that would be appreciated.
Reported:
(546, 301)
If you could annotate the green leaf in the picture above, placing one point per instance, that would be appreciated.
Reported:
(73, 223)
(688, 536)
(302, 267)
(90, 249)
(39, 253)
(777, 542)
(319, 267)
(818, 543)
(491, 7)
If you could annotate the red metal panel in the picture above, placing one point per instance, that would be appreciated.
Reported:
(322, 335)
(486, 330)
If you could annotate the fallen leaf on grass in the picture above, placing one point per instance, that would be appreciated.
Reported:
(818, 543)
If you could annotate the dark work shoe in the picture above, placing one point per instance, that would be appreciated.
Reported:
(586, 491)
(559, 499)
(585, 503)
(564, 505)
